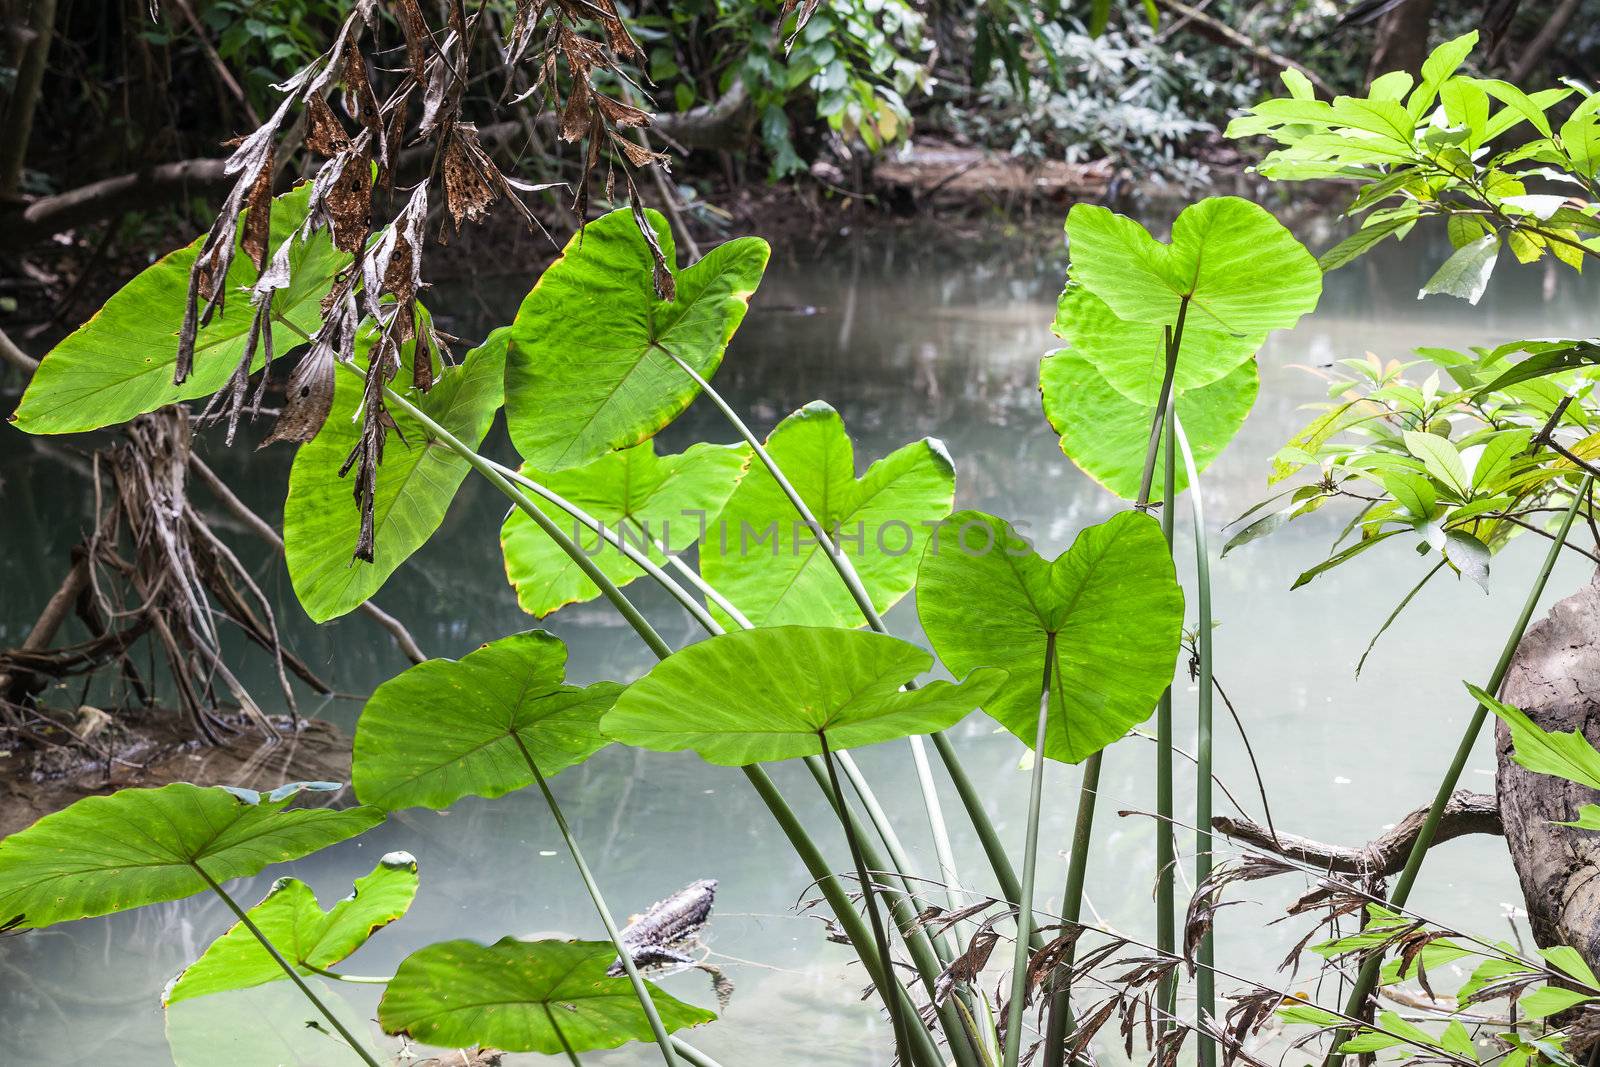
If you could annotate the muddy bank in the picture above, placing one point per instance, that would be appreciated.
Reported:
(48, 772)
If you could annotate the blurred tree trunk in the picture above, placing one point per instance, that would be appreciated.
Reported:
(1401, 38)
(30, 25)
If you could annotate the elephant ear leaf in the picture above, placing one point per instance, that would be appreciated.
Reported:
(769, 694)
(309, 938)
(447, 729)
(553, 997)
(416, 483)
(106, 854)
(1112, 602)
(119, 364)
(588, 370)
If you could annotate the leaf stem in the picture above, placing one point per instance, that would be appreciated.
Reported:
(288, 968)
(1368, 976)
(1174, 342)
(1030, 865)
(1166, 845)
(1059, 1023)
(1205, 979)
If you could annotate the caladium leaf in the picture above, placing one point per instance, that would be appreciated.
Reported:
(106, 854)
(763, 558)
(636, 495)
(587, 373)
(523, 996)
(1239, 269)
(1111, 600)
(446, 729)
(119, 364)
(1106, 434)
(766, 694)
(417, 481)
(308, 937)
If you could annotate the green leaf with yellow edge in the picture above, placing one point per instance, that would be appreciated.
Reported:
(586, 374)
(119, 364)
(751, 696)
(311, 939)
(447, 729)
(1111, 600)
(761, 556)
(523, 996)
(1105, 434)
(638, 496)
(107, 854)
(417, 481)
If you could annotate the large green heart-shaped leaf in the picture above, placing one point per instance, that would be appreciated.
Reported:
(586, 374)
(762, 557)
(1131, 356)
(638, 496)
(523, 996)
(1112, 600)
(756, 695)
(1106, 434)
(119, 363)
(142, 846)
(416, 482)
(1240, 270)
(305, 935)
(446, 729)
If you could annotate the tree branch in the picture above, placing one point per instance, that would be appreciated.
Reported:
(1219, 32)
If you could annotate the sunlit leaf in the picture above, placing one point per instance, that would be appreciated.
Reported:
(1112, 600)
(417, 481)
(756, 695)
(1466, 273)
(523, 996)
(763, 558)
(119, 363)
(1550, 1000)
(446, 729)
(1566, 754)
(106, 854)
(304, 934)
(585, 374)
(638, 496)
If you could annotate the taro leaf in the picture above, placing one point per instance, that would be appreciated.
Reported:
(267, 1026)
(762, 557)
(1131, 356)
(523, 996)
(755, 695)
(418, 479)
(446, 729)
(307, 936)
(106, 854)
(1105, 433)
(1112, 600)
(638, 496)
(585, 375)
(119, 364)
(1241, 270)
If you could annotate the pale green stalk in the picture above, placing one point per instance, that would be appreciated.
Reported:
(1030, 866)
(1166, 844)
(1367, 979)
(1205, 978)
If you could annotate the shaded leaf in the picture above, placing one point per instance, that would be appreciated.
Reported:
(1466, 273)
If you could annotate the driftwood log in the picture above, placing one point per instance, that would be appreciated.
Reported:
(1555, 678)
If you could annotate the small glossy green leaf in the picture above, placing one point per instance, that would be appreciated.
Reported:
(1112, 600)
(1106, 434)
(1566, 959)
(1466, 273)
(446, 729)
(301, 931)
(523, 996)
(1566, 754)
(756, 695)
(1241, 270)
(585, 375)
(762, 556)
(119, 364)
(638, 496)
(106, 854)
(1441, 459)
(1551, 1000)
(1363, 241)
(417, 481)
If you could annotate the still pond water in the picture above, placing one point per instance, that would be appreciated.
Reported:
(908, 333)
